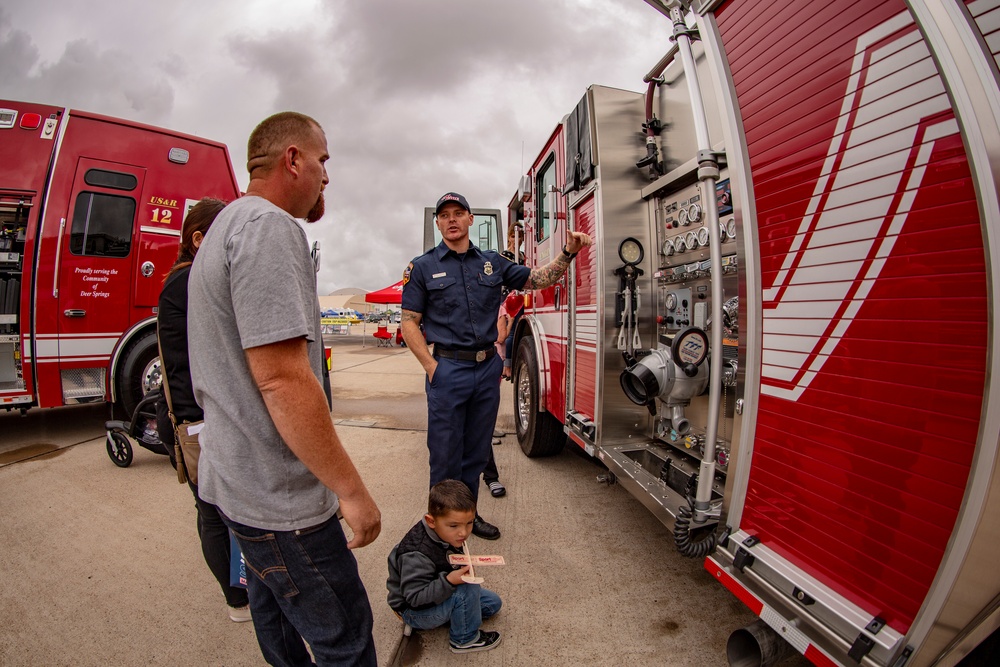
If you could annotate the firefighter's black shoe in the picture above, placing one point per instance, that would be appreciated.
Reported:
(485, 530)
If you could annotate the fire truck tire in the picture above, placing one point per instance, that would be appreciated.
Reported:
(138, 372)
(119, 449)
(538, 433)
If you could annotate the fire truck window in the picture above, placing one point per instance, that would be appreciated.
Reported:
(486, 229)
(102, 225)
(545, 181)
(110, 179)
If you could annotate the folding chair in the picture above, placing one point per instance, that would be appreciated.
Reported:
(382, 334)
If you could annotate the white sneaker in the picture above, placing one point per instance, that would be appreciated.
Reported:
(239, 614)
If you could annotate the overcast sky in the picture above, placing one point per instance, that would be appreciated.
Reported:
(417, 97)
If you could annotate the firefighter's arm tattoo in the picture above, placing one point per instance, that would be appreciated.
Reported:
(548, 275)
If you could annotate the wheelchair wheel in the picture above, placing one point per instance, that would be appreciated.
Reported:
(119, 449)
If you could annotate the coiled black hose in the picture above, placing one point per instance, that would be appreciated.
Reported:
(682, 528)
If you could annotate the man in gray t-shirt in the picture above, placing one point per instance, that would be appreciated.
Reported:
(271, 460)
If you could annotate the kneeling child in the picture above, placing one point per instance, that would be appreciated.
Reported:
(425, 589)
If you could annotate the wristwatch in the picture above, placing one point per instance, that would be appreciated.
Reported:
(567, 253)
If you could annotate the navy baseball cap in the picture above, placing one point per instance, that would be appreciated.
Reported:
(452, 197)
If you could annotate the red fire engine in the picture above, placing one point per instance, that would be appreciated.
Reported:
(782, 341)
(90, 216)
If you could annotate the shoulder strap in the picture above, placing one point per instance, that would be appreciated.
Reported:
(163, 378)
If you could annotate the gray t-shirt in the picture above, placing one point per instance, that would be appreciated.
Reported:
(253, 283)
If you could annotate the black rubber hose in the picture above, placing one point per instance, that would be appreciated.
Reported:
(682, 530)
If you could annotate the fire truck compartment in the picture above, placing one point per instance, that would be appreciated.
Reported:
(8, 368)
(655, 475)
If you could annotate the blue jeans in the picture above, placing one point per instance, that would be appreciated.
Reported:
(304, 584)
(466, 609)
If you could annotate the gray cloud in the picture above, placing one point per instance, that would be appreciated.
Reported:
(416, 98)
(85, 76)
(17, 53)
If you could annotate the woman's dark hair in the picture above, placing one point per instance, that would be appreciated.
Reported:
(450, 496)
(199, 219)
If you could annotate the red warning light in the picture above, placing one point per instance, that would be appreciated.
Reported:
(30, 121)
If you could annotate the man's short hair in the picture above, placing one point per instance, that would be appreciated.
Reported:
(450, 496)
(273, 135)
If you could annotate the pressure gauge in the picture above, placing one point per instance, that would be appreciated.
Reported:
(691, 238)
(689, 350)
(694, 213)
(703, 236)
(668, 248)
(630, 251)
(682, 217)
(679, 244)
(731, 228)
(671, 301)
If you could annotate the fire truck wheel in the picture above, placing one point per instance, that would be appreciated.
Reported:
(538, 433)
(119, 450)
(139, 372)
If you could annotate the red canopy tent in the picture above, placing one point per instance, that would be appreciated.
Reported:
(390, 294)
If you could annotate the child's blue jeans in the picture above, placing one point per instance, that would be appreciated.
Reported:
(466, 609)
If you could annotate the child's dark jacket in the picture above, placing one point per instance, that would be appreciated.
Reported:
(418, 570)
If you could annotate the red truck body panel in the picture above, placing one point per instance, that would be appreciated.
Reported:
(86, 291)
(862, 454)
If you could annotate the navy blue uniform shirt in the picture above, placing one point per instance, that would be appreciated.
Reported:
(458, 296)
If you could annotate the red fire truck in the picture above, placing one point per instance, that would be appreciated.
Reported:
(782, 341)
(90, 216)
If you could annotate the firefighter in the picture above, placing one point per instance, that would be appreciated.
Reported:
(454, 290)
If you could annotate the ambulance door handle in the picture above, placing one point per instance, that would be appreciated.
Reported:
(55, 274)
(558, 294)
(74, 312)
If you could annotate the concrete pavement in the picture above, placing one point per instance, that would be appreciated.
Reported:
(102, 565)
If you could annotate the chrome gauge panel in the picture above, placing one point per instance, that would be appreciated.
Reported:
(684, 209)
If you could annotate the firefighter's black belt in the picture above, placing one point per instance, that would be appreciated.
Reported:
(466, 355)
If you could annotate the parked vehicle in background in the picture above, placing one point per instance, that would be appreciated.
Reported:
(91, 209)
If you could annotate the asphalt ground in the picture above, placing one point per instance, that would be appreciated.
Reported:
(102, 566)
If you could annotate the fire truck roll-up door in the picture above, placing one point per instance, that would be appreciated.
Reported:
(863, 498)
(93, 275)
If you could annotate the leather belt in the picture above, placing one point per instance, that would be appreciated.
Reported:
(466, 355)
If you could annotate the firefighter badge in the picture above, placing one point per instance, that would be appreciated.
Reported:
(488, 269)
(406, 273)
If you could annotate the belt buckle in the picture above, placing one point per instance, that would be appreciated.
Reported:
(480, 356)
